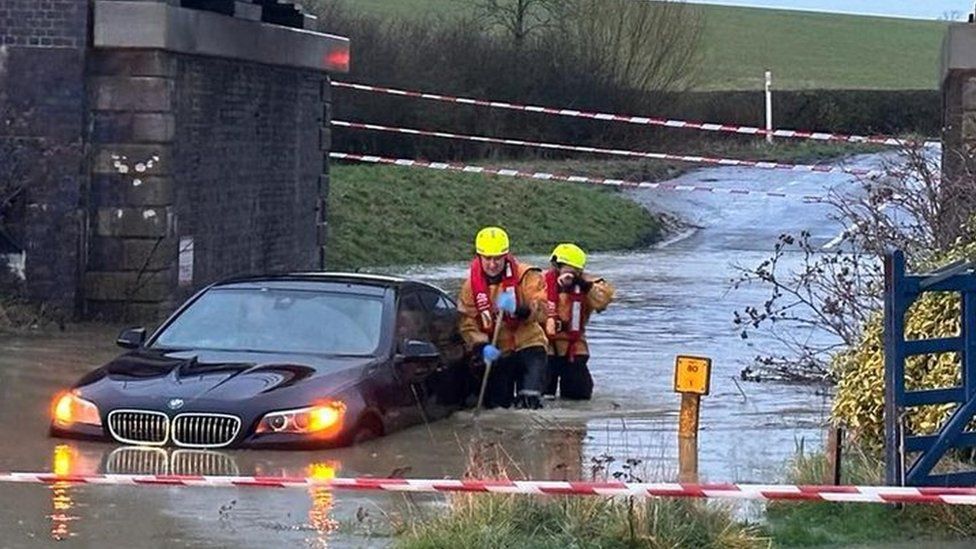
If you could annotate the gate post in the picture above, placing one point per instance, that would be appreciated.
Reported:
(894, 360)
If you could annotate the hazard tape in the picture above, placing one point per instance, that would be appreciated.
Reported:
(709, 160)
(837, 494)
(544, 176)
(642, 120)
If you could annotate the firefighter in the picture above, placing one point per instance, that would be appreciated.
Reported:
(501, 289)
(571, 297)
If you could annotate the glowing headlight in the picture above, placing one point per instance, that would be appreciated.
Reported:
(69, 408)
(324, 419)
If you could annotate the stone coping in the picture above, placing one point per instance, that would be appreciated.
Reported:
(958, 49)
(157, 25)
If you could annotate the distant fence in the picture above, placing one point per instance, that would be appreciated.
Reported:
(866, 112)
(869, 112)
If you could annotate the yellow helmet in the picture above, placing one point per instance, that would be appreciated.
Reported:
(491, 241)
(569, 254)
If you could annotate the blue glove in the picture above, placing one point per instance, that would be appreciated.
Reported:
(490, 353)
(505, 302)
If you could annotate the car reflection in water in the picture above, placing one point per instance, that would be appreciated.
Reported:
(68, 459)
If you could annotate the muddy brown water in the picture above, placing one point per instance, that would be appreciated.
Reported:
(673, 299)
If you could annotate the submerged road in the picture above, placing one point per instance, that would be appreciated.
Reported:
(674, 298)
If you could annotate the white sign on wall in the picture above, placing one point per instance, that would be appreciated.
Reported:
(186, 261)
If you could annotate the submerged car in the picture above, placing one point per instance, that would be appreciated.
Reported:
(302, 360)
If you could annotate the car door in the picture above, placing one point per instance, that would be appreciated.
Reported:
(412, 323)
(447, 388)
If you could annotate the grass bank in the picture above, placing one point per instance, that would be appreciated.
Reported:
(831, 524)
(385, 215)
(382, 216)
(804, 50)
(472, 520)
(502, 521)
(519, 521)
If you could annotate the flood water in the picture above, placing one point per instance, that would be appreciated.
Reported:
(673, 299)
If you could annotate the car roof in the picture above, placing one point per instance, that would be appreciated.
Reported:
(359, 279)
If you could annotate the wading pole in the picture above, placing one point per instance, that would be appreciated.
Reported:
(692, 376)
(484, 379)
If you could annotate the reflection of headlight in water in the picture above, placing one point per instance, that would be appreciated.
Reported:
(62, 463)
(319, 515)
(63, 460)
(325, 470)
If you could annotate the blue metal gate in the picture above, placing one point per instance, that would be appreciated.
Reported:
(901, 290)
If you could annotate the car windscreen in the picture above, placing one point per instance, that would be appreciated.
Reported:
(278, 320)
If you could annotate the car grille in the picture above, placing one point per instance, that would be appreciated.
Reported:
(138, 461)
(139, 427)
(205, 430)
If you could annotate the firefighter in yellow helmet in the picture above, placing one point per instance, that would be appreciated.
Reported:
(571, 297)
(499, 288)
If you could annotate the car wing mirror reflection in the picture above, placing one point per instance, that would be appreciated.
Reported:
(131, 338)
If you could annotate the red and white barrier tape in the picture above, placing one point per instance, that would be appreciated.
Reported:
(710, 160)
(508, 172)
(839, 494)
(643, 120)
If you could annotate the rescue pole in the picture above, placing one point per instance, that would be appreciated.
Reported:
(484, 379)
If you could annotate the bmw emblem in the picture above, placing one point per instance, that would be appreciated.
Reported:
(175, 403)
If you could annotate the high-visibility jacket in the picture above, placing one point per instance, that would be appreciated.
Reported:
(571, 310)
(515, 334)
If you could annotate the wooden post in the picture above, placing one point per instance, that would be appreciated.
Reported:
(769, 107)
(834, 451)
(688, 438)
(692, 378)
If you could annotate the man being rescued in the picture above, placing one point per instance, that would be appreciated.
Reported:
(572, 297)
(501, 289)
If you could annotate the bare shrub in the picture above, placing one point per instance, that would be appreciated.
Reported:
(542, 56)
(647, 46)
(837, 289)
(519, 20)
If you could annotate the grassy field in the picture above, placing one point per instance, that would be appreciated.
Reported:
(381, 216)
(384, 215)
(804, 50)
(810, 51)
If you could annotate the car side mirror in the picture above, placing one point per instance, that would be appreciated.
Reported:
(419, 351)
(131, 338)
(416, 360)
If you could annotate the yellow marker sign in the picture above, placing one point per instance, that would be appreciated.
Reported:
(692, 374)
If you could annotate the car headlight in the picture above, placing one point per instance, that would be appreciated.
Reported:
(323, 420)
(69, 408)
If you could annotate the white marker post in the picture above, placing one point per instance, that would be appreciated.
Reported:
(769, 107)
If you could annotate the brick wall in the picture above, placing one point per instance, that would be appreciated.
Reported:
(43, 23)
(226, 154)
(249, 161)
(132, 239)
(42, 122)
(125, 153)
(959, 121)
